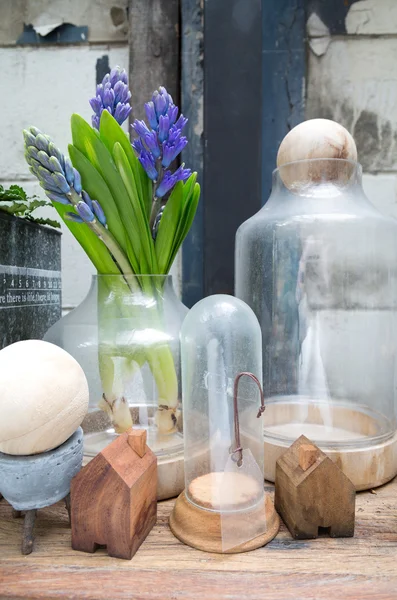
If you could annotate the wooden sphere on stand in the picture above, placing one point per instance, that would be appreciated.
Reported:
(311, 140)
(43, 397)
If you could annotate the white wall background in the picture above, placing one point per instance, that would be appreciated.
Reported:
(44, 85)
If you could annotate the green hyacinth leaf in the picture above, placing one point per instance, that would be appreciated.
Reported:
(168, 227)
(148, 262)
(88, 142)
(147, 189)
(189, 212)
(188, 186)
(91, 244)
(94, 184)
(110, 133)
(185, 222)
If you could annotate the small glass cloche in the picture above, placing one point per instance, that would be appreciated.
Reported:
(223, 507)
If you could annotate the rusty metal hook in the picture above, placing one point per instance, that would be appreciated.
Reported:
(235, 409)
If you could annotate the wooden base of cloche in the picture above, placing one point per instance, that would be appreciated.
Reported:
(201, 528)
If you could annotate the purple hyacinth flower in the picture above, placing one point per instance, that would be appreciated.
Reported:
(70, 216)
(162, 101)
(166, 184)
(55, 165)
(86, 198)
(164, 128)
(117, 74)
(41, 142)
(44, 159)
(96, 104)
(122, 111)
(160, 104)
(182, 173)
(108, 98)
(147, 161)
(98, 211)
(181, 122)
(170, 179)
(61, 182)
(54, 151)
(85, 212)
(77, 182)
(34, 130)
(112, 95)
(140, 128)
(121, 93)
(57, 197)
(46, 180)
(138, 146)
(56, 175)
(152, 144)
(32, 153)
(172, 113)
(30, 139)
(160, 145)
(171, 150)
(151, 115)
(69, 172)
(118, 90)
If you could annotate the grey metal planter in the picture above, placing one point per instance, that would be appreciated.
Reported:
(30, 279)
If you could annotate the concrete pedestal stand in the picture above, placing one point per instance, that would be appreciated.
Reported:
(32, 482)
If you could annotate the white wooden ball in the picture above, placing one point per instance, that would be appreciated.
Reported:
(315, 138)
(43, 397)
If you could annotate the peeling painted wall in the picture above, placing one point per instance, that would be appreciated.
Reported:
(106, 19)
(352, 78)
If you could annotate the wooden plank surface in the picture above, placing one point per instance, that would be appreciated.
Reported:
(361, 567)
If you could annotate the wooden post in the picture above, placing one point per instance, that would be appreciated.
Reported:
(192, 105)
(232, 131)
(283, 72)
(154, 50)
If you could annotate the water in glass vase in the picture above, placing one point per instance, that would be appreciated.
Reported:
(125, 335)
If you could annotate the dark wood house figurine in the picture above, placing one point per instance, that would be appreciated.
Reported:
(114, 497)
(312, 493)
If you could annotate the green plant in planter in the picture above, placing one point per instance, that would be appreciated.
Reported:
(15, 201)
(129, 211)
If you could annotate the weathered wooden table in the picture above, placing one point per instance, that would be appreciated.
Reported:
(361, 567)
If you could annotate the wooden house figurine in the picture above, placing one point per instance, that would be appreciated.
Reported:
(312, 493)
(114, 497)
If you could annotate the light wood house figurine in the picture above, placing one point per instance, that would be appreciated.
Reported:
(312, 493)
(114, 497)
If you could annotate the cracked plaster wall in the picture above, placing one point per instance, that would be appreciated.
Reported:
(352, 78)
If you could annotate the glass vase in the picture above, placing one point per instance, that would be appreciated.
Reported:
(125, 335)
(318, 265)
